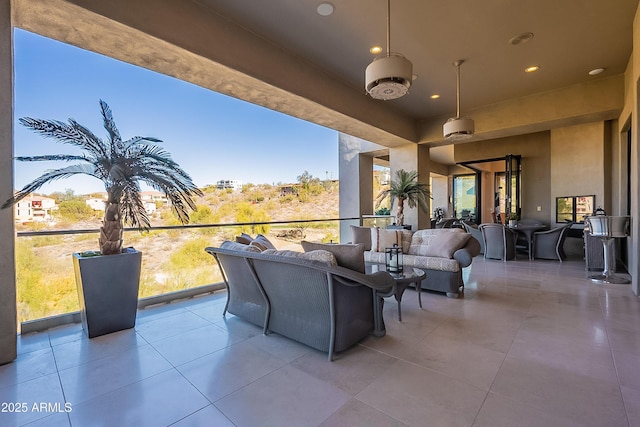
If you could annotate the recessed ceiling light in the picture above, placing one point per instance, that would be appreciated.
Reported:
(325, 9)
(531, 69)
(435, 96)
(375, 50)
(520, 39)
(596, 71)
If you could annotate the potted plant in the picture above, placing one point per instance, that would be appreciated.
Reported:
(108, 279)
(513, 219)
(406, 188)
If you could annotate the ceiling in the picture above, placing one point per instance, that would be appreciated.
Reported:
(571, 37)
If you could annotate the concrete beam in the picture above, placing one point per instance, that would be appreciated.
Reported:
(8, 313)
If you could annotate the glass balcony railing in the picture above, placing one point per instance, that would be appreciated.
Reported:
(173, 258)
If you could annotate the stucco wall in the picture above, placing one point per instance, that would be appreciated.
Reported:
(8, 322)
(578, 159)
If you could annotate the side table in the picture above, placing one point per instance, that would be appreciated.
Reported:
(401, 282)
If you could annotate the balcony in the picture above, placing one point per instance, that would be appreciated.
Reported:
(529, 344)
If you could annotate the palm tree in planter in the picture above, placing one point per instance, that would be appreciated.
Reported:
(108, 280)
(406, 188)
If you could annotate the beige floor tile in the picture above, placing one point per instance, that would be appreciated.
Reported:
(592, 401)
(75, 353)
(356, 413)
(191, 345)
(468, 362)
(351, 371)
(209, 416)
(225, 371)
(167, 327)
(567, 355)
(499, 411)
(101, 376)
(156, 401)
(418, 396)
(27, 394)
(286, 397)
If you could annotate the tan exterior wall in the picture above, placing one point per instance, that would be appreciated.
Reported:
(578, 163)
(8, 314)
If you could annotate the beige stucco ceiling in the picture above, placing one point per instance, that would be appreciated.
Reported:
(571, 37)
(282, 54)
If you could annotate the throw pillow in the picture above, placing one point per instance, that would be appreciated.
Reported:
(244, 238)
(348, 255)
(443, 245)
(386, 238)
(235, 246)
(262, 243)
(361, 235)
(324, 257)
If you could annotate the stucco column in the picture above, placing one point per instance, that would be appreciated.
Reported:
(8, 314)
(412, 157)
(356, 182)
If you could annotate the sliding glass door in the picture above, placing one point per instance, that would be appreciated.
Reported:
(465, 197)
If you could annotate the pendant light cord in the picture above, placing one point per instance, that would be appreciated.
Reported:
(388, 27)
(457, 65)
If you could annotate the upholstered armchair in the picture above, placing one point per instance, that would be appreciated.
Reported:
(549, 244)
(499, 242)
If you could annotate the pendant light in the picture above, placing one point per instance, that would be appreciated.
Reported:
(458, 128)
(389, 75)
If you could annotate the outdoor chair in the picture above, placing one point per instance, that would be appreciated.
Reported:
(475, 232)
(549, 244)
(499, 242)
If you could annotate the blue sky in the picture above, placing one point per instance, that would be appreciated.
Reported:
(212, 136)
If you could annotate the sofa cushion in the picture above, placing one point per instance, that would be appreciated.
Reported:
(445, 244)
(324, 257)
(244, 238)
(418, 261)
(361, 235)
(235, 246)
(262, 243)
(386, 238)
(348, 255)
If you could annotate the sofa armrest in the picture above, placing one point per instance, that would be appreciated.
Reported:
(465, 255)
(380, 281)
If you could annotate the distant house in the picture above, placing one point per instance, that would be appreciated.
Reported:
(35, 208)
(288, 189)
(229, 183)
(97, 204)
(153, 197)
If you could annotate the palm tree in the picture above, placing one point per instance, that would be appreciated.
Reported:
(121, 166)
(406, 188)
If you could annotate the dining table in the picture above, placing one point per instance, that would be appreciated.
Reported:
(527, 231)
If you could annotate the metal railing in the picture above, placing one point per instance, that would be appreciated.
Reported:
(46, 322)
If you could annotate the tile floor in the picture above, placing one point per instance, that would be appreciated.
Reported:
(530, 344)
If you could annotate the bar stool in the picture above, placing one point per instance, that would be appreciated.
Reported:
(608, 228)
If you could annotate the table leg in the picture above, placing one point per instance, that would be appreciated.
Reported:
(419, 290)
(378, 321)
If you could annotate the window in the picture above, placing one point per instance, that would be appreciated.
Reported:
(574, 208)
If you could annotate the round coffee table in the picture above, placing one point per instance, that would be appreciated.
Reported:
(402, 281)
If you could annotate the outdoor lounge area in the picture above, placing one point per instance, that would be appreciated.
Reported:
(530, 344)
(552, 92)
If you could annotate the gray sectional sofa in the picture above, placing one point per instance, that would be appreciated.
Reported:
(315, 302)
(442, 253)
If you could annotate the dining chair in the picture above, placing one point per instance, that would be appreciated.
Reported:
(499, 242)
(549, 244)
(475, 232)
